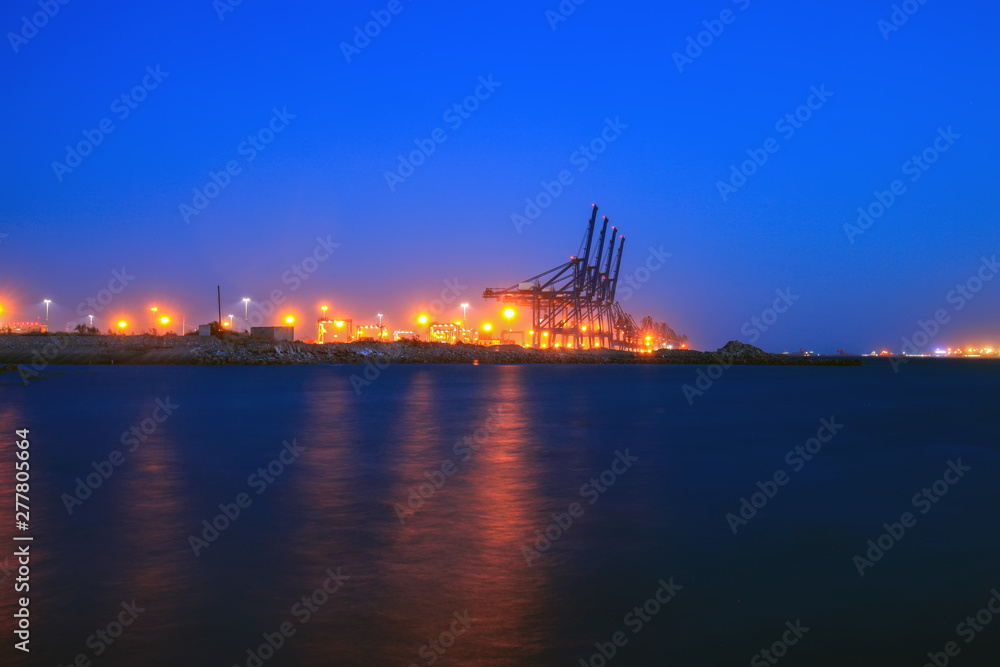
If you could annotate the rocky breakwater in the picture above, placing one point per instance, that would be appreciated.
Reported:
(37, 351)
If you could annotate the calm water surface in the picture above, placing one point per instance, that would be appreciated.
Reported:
(507, 447)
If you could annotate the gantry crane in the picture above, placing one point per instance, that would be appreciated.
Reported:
(573, 305)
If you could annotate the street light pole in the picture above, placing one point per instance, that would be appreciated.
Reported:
(91, 316)
(47, 302)
(246, 314)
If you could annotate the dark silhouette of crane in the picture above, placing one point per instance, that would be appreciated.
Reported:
(573, 305)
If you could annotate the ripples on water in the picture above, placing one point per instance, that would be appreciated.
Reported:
(542, 432)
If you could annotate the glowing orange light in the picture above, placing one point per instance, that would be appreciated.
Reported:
(422, 319)
(164, 320)
(225, 324)
(338, 323)
(289, 319)
(487, 327)
(154, 309)
(509, 313)
(122, 324)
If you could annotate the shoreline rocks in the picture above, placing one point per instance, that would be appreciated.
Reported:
(236, 349)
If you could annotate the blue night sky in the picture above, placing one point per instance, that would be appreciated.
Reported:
(345, 124)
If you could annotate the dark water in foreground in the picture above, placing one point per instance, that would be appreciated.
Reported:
(461, 552)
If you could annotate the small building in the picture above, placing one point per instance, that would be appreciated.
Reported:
(452, 333)
(273, 333)
(512, 338)
(370, 332)
(204, 329)
(25, 327)
(334, 330)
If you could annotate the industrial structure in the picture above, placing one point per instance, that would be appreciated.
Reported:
(455, 332)
(273, 333)
(24, 327)
(573, 305)
(331, 330)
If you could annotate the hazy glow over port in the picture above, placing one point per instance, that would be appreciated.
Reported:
(509, 313)
(422, 319)
(487, 326)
